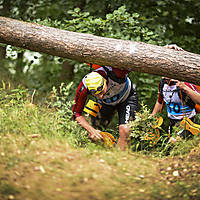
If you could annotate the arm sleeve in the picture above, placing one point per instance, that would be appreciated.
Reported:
(80, 100)
(160, 97)
(193, 87)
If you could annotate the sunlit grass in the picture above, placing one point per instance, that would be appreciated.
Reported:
(44, 154)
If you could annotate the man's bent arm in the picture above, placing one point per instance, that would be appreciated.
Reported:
(93, 133)
(157, 108)
(195, 96)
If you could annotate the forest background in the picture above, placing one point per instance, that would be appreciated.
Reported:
(158, 22)
(154, 22)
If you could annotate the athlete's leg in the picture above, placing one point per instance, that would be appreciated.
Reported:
(123, 136)
(126, 112)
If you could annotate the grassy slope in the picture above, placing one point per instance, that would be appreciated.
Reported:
(39, 162)
(41, 168)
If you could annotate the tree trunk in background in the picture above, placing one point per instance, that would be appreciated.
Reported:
(2, 52)
(6, 8)
(19, 65)
(67, 73)
(123, 54)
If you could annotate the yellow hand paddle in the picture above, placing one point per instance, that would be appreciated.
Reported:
(154, 137)
(108, 139)
(159, 122)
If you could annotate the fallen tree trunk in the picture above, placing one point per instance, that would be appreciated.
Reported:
(122, 54)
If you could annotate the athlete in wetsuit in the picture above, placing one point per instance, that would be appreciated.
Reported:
(178, 103)
(114, 91)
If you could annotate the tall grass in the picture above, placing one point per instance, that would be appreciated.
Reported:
(46, 155)
(19, 116)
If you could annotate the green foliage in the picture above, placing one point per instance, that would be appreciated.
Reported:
(148, 138)
(13, 97)
(151, 22)
(147, 87)
(60, 101)
(197, 118)
(44, 78)
(19, 116)
(120, 25)
(76, 135)
(145, 137)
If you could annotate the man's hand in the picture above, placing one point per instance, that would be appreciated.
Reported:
(95, 135)
(181, 85)
(174, 46)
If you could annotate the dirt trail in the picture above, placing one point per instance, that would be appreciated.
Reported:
(57, 171)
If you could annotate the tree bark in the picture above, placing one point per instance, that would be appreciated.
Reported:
(67, 72)
(123, 54)
(5, 12)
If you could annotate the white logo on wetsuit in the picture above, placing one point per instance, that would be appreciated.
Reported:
(127, 116)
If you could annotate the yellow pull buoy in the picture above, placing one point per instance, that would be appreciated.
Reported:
(190, 126)
(92, 108)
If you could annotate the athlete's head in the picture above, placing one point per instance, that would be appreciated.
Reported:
(95, 82)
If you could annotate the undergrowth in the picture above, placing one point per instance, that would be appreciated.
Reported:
(19, 115)
(148, 136)
(46, 155)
